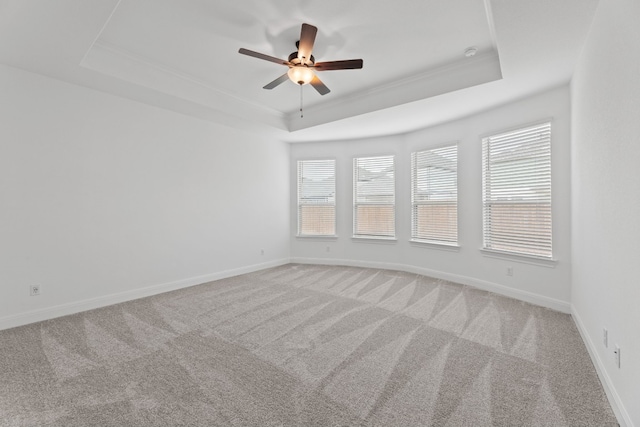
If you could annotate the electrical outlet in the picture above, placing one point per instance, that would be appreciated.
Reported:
(261, 251)
(34, 290)
(605, 337)
(509, 271)
(328, 248)
(616, 353)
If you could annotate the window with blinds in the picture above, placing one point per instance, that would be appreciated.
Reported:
(516, 183)
(374, 197)
(316, 197)
(434, 195)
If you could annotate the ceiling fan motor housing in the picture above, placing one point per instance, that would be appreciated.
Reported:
(293, 58)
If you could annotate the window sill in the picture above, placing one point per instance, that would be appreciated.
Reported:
(451, 247)
(317, 236)
(374, 239)
(525, 259)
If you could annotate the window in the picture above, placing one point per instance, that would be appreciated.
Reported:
(316, 197)
(516, 183)
(374, 197)
(434, 195)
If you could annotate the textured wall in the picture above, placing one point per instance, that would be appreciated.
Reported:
(606, 194)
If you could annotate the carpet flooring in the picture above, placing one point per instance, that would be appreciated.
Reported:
(303, 345)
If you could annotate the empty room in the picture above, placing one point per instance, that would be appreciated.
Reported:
(319, 213)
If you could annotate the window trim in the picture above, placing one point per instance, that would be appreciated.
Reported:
(521, 258)
(375, 239)
(514, 128)
(433, 245)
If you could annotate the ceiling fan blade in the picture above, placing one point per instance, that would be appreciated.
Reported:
(319, 86)
(283, 78)
(349, 64)
(263, 56)
(307, 38)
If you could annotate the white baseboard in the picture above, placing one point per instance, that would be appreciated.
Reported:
(89, 304)
(529, 297)
(106, 300)
(624, 419)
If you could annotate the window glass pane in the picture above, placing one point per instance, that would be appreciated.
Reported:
(374, 196)
(375, 220)
(434, 195)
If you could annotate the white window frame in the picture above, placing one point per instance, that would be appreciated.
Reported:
(441, 184)
(516, 192)
(384, 199)
(324, 191)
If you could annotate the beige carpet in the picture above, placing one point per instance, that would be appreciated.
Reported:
(303, 345)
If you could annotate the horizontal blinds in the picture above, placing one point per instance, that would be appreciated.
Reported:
(317, 197)
(434, 195)
(517, 191)
(374, 196)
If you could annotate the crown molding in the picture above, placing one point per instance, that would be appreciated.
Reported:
(450, 77)
(119, 63)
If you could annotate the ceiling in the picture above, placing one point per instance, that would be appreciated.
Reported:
(183, 56)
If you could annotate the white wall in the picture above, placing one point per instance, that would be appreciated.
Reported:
(535, 283)
(605, 95)
(105, 199)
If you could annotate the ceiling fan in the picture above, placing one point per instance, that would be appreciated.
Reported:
(301, 63)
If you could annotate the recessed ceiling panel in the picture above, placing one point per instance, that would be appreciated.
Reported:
(189, 49)
(182, 55)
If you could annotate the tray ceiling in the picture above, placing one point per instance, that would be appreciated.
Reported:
(184, 56)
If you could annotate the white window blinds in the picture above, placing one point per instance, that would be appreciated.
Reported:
(434, 195)
(316, 197)
(516, 184)
(374, 197)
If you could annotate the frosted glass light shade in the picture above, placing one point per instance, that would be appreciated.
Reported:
(300, 75)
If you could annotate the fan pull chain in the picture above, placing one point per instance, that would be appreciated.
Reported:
(301, 102)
